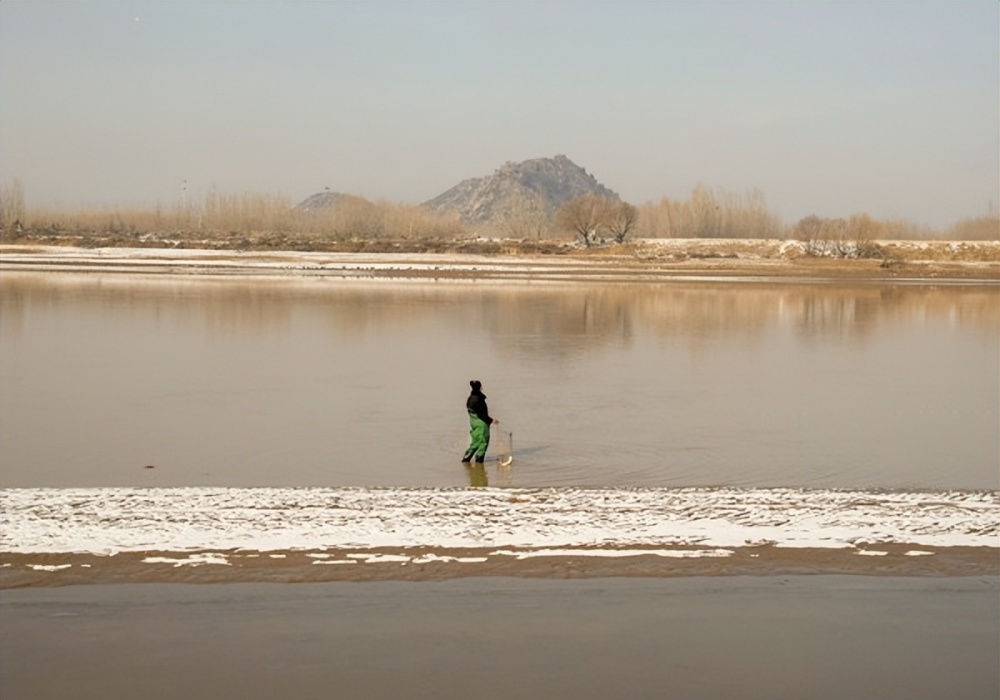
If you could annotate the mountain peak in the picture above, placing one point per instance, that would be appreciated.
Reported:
(550, 182)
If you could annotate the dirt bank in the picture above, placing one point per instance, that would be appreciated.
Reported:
(428, 563)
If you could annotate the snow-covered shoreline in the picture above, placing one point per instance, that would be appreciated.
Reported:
(646, 260)
(112, 520)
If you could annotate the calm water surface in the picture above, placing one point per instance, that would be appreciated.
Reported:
(230, 382)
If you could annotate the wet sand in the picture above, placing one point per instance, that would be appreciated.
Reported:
(817, 637)
(25, 570)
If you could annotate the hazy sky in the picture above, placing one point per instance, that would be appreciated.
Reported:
(829, 108)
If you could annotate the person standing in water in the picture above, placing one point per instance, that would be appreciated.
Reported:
(479, 424)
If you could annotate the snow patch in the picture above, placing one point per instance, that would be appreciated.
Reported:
(379, 558)
(191, 560)
(675, 553)
(335, 561)
(429, 558)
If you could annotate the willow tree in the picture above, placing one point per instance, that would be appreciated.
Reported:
(622, 218)
(584, 216)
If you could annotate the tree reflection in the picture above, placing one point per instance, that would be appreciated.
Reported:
(549, 322)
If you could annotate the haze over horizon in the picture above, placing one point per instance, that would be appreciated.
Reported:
(832, 109)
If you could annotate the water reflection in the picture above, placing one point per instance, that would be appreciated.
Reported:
(534, 320)
(477, 475)
(333, 382)
(493, 472)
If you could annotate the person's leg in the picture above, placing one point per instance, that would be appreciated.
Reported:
(482, 440)
(475, 437)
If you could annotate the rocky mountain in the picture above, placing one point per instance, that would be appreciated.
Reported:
(545, 183)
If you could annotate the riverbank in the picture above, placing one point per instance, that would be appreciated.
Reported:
(59, 537)
(644, 260)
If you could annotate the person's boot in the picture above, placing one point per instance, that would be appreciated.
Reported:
(466, 458)
(480, 459)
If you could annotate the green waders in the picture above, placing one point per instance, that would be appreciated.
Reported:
(479, 433)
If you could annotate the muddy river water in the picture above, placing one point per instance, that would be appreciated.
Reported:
(118, 380)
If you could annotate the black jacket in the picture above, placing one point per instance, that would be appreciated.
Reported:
(476, 403)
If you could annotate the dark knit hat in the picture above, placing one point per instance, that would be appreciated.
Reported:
(476, 385)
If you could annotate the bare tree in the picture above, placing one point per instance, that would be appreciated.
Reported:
(528, 218)
(11, 205)
(840, 238)
(707, 213)
(808, 229)
(863, 232)
(584, 216)
(622, 217)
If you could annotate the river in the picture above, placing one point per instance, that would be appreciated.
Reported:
(122, 380)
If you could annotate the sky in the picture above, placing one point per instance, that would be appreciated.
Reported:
(835, 108)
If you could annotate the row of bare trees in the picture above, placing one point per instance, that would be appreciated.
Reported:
(709, 213)
(218, 213)
(977, 228)
(591, 218)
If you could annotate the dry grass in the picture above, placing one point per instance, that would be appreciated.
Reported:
(248, 215)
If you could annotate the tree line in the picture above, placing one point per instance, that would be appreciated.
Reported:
(590, 219)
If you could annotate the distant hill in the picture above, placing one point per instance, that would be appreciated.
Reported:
(550, 182)
(323, 201)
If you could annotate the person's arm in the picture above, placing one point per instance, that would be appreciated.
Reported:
(477, 405)
(484, 413)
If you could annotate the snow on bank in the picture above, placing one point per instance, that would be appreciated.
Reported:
(639, 259)
(110, 520)
(178, 260)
